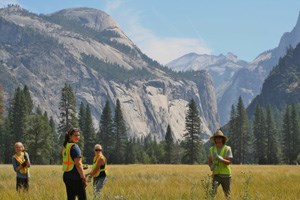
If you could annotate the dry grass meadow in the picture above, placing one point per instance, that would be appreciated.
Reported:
(161, 182)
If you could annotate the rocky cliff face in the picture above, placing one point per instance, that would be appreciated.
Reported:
(87, 49)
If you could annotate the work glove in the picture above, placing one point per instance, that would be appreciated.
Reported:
(23, 164)
(213, 167)
(88, 178)
(85, 166)
(218, 157)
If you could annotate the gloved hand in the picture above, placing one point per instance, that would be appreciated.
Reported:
(24, 164)
(220, 158)
(25, 157)
(213, 167)
(85, 166)
(88, 178)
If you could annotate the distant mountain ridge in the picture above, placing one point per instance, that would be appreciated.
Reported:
(282, 86)
(245, 79)
(85, 48)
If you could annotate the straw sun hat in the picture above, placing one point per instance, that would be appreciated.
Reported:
(219, 133)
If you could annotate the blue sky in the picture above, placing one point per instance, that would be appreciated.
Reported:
(168, 29)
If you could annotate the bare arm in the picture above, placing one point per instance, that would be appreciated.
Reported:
(79, 167)
(227, 161)
(100, 162)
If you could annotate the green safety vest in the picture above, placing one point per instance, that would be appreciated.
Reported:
(221, 167)
(23, 170)
(68, 162)
(95, 164)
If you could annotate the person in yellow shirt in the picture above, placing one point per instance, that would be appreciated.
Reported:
(21, 164)
(99, 170)
(219, 160)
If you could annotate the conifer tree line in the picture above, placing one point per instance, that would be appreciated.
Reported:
(271, 136)
(43, 139)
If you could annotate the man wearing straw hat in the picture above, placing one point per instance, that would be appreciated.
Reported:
(219, 159)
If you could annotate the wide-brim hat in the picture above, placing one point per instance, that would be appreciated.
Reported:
(218, 133)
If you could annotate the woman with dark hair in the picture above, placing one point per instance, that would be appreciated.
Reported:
(73, 177)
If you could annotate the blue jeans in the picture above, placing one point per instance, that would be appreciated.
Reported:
(98, 184)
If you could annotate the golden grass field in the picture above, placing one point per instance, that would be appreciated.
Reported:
(166, 182)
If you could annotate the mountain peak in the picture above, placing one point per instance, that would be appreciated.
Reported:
(90, 17)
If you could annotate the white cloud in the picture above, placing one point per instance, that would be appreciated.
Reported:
(165, 50)
(4, 3)
(162, 49)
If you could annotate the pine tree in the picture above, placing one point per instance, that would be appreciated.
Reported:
(192, 142)
(287, 137)
(55, 153)
(106, 130)
(243, 136)
(130, 156)
(120, 135)
(39, 139)
(169, 146)
(273, 149)
(233, 132)
(68, 118)
(19, 116)
(260, 135)
(90, 136)
(295, 133)
(2, 134)
(28, 100)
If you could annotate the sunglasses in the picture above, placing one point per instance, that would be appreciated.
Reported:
(97, 149)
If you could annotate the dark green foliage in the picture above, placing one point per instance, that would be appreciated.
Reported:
(38, 141)
(260, 136)
(113, 71)
(192, 142)
(291, 135)
(88, 132)
(273, 147)
(120, 136)
(67, 107)
(2, 136)
(106, 131)
(169, 146)
(55, 146)
(240, 137)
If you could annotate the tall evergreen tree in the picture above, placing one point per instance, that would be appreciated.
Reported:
(192, 142)
(287, 137)
(169, 146)
(55, 153)
(90, 136)
(67, 107)
(106, 130)
(2, 134)
(295, 133)
(19, 116)
(260, 135)
(28, 100)
(120, 135)
(273, 148)
(243, 138)
(39, 139)
(233, 132)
